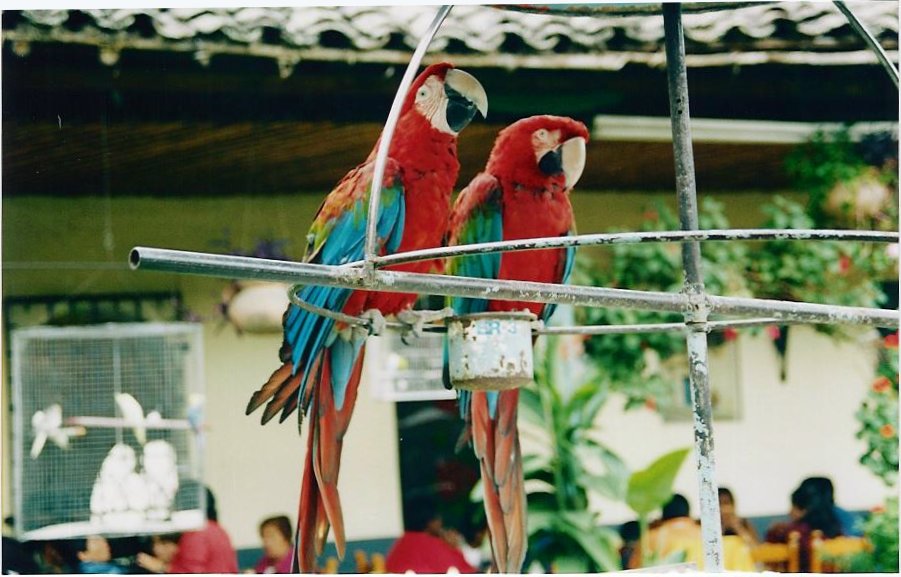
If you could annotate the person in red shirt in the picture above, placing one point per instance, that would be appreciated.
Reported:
(425, 546)
(277, 547)
(208, 550)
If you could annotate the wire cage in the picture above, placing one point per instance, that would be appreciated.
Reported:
(693, 302)
(107, 424)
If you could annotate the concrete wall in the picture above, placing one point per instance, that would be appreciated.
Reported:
(788, 430)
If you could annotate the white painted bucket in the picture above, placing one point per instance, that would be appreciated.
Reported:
(490, 351)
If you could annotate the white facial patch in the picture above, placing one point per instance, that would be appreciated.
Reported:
(544, 141)
(431, 102)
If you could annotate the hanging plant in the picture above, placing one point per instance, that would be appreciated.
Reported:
(635, 364)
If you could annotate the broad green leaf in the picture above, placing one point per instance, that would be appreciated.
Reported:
(651, 488)
(597, 545)
(530, 403)
(540, 520)
(605, 486)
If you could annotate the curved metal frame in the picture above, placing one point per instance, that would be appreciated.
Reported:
(693, 301)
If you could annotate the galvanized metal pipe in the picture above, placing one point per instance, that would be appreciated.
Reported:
(870, 40)
(643, 328)
(747, 234)
(381, 158)
(243, 267)
(696, 313)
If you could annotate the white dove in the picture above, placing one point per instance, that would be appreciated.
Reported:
(133, 414)
(49, 424)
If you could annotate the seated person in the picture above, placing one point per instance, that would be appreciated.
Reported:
(677, 538)
(732, 523)
(423, 547)
(811, 510)
(847, 520)
(163, 549)
(630, 533)
(94, 556)
(277, 546)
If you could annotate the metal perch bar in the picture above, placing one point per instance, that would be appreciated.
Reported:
(381, 158)
(870, 40)
(749, 234)
(118, 423)
(227, 266)
(696, 315)
(658, 327)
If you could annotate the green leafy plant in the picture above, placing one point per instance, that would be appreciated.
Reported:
(878, 416)
(650, 489)
(881, 529)
(564, 535)
(571, 464)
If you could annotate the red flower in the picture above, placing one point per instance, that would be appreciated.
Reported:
(878, 509)
(650, 403)
(730, 334)
(773, 331)
(891, 341)
(844, 263)
(882, 384)
(887, 431)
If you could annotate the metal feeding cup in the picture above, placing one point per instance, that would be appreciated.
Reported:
(490, 351)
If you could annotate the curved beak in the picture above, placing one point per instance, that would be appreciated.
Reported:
(573, 159)
(465, 97)
(567, 158)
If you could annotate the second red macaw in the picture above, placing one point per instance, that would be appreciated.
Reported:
(523, 193)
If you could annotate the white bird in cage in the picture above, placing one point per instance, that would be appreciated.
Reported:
(119, 496)
(133, 413)
(48, 424)
(161, 478)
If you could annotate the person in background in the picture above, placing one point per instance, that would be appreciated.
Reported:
(423, 548)
(823, 485)
(811, 510)
(208, 550)
(732, 523)
(676, 533)
(17, 558)
(163, 550)
(94, 556)
(630, 533)
(277, 547)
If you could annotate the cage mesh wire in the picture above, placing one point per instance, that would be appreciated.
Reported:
(81, 370)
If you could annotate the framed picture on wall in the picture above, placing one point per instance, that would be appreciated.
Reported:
(725, 386)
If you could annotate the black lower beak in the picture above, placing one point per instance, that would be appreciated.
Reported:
(460, 110)
(552, 162)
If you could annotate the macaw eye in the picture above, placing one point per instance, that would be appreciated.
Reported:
(423, 93)
(541, 134)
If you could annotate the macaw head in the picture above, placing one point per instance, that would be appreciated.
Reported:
(539, 152)
(447, 97)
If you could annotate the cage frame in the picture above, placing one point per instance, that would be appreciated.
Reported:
(191, 333)
(695, 304)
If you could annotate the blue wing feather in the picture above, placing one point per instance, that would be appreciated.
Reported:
(308, 333)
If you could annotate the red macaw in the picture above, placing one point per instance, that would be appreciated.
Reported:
(322, 359)
(523, 193)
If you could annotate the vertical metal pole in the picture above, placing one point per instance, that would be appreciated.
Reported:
(696, 314)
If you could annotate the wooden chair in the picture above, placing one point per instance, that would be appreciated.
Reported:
(782, 557)
(826, 554)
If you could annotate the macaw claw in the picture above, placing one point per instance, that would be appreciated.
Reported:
(415, 321)
(377, 323)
